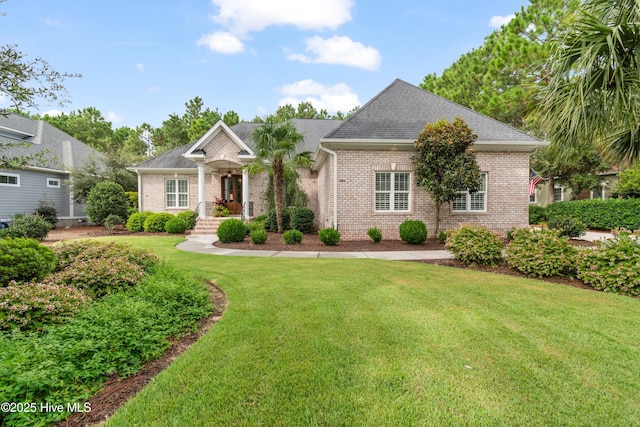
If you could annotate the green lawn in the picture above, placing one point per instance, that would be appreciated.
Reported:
(366, 342)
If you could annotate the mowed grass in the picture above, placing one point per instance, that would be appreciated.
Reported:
(366, 342)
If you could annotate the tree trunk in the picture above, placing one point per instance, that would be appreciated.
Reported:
(278, 190)
(435, 233)
(552, 194)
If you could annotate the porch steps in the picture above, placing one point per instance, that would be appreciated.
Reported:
(209, 225)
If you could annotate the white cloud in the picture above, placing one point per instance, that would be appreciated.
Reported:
(339, 50)
(221, 42)
(140, 66)
(498, 21)
(335, 98)
(114, 117)
(53, 113)
(55, 23)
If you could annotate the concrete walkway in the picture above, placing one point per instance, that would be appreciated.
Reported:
(204, 244)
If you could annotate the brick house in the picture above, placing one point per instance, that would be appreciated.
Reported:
(362, 176)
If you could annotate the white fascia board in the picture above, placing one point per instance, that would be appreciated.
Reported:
(50, 170)
(15, 133)
(164, 171)
(518, 146)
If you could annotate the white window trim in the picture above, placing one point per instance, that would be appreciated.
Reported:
(15, 175)
(49, 185)
(561, 193)
(468, 196)
(535, 197)
(603, 192)
(392, 193)
(177, 193)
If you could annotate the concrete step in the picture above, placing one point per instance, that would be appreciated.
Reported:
(209, 225)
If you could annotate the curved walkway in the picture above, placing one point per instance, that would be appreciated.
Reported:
(203, 243)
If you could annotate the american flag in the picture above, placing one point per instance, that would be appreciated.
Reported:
(533, 181)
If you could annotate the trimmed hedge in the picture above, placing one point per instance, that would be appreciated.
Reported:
(232, 230)
(135, 223)
(600, 214)
(413, 231)
(292, 237)
(155, 222)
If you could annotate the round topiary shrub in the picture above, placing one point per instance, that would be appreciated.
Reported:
(302, 219)
(292, 237)
(22, 260)
(31, 227)
(413, 231)
(376, 234)
(155, 222)
(474, 244)
(329, 236)
(104, 199)
(189, 217)
(613, 265)
(135, 223)
(232, 230)
(175, 226)
(259, 236)
(541, 253)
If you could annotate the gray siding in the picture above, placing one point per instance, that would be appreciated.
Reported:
(33, 189)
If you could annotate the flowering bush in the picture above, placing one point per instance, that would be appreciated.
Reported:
(98, 276)
(33, 305)
(23, 260)
(541, 253)
(613, 265)
(83, 250)
(474, 244)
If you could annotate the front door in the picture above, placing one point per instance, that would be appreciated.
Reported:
(232, 193)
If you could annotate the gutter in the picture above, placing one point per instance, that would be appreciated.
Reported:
(335, 183)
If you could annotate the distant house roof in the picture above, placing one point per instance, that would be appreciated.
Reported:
(63, 152)
(401, 111)
(312, 129)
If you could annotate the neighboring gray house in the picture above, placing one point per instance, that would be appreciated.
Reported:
(362, 175)
(23, 190)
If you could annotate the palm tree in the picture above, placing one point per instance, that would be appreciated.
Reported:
(594, 90)
(276, 144)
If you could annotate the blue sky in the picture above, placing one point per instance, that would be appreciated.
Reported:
(142, 60)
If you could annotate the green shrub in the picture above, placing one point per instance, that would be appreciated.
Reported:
(442, 236)
(189, 217)
(13, 233)
(537, 214)
(23, 260)
(33, 305)
(261, 218)
(629, 184)
(272, 223)
(31, 227)
(83, 250)
(48, 213)
(329, 236)
(104, 199)
(292, 236)
(117, 334)
(413, 231)
(135, 223)
(302, 219)
(111, 221)
(132, 197)
(259, 236)
(375, 233)
(613, 265)
(474, 244)
(601, 214)
(232, 230)
(155, 222)
(541, 253)
(567, 226)
(175, 226)
(255, 225)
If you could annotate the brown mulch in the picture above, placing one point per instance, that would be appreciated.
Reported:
(116, 391)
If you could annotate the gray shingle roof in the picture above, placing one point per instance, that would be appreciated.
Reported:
(170, 160)
(401, 111)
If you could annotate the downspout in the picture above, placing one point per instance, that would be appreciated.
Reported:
(335, 183)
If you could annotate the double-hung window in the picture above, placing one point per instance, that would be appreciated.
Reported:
(392, 191)
(177, 193)
(472, 202)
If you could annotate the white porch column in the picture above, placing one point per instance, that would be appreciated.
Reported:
(245, 193)
(202, 209)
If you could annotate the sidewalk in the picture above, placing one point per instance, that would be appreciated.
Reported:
(203, 244)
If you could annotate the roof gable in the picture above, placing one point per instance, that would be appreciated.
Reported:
(401, 111)
(220, 126)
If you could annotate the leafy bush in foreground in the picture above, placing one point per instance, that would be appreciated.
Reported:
(84, 250)
(613, 266)
(329, 236)
(68, 362)
(259, 236)
(135, 223)
(231, 230)
(155, 222)
(175, 225)
(189, 217)
(30, 227)
(33, 305)
(104, 199)
(413, 231)
(541, 253)
(474, 244)
(292, 237)
(375, 233)
(23, 260)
